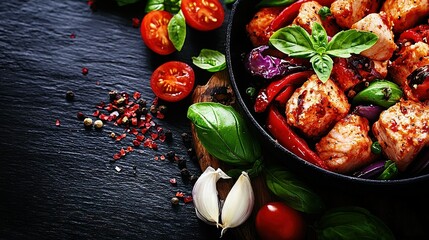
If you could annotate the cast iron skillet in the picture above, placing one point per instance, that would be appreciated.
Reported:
(237, 44)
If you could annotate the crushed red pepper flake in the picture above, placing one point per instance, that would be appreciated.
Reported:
(187, 199)
(180, 194)
(173, 181)
(57, 122)
(130, 113)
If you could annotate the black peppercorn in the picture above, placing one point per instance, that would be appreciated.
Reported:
(185, 173)
(181, 163)
(187, 140)
(170, 155)
(69, 96)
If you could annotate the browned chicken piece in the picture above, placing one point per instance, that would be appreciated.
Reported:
(404, 14)
(348, 12)
(403, 131)
(385, 46)
(309, 13)
(347, 147)
(316, 106)
(258, 29)
(409, 59)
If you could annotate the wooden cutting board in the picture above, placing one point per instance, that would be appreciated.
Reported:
(218, 89)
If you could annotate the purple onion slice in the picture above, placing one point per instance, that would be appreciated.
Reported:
(268, 67)
(370, 112)
(371, 171)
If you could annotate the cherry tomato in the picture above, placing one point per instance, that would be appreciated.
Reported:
(276, 220)
(172, 81)
(203, 15)
(154, 32)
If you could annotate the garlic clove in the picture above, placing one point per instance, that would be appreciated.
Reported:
(238, 204)
(205, 195)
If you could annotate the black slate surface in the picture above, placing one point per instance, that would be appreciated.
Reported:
(58, 182)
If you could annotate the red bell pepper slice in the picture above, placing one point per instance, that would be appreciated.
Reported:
(288, 14)
(266, 95)
(284, 134)
(285, 95)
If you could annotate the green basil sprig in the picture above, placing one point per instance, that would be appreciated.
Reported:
(295, 41)
(172, 6)
(210, 60)
(349, 223)
(224, 133)
(295, 193)
(274, 3)
(177, 30)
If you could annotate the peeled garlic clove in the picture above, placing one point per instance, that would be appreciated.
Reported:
(238, 204)
(205, 196)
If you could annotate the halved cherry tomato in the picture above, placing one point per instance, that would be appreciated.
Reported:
(154, 32)
(172, 81)
(203, 15)
(276, 220)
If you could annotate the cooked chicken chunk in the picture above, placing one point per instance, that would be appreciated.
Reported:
(403, 131)
(409, 59)
(309, 13)
(316, 106)
(404, 14)
(385, 46)
(258, 29)
(348, 12)
(347, 146)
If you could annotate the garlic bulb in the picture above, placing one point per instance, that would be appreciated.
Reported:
(238, 204)
(205, 195)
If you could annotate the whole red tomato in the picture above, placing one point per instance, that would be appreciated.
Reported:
(276, 220)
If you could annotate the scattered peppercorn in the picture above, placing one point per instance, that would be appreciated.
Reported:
(80, 116)
(98, 124)
(185, 174)
(87, 122)
(69, 96)
(170, 156)
(85, 71)
(187, 140)
(175, 200)
(181, 163)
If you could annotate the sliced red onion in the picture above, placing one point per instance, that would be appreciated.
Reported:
(371, 171)
(267, 66)
(370, 112)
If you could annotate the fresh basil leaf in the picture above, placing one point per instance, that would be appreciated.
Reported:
(177, 30)
(320, 38)
(224, 133)
(126, 2)
(344, 43)
(322, 65)
(210, 60)
(172, 6)
(274, 3)
(349, 223)
(294, 41)
(294, 192)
